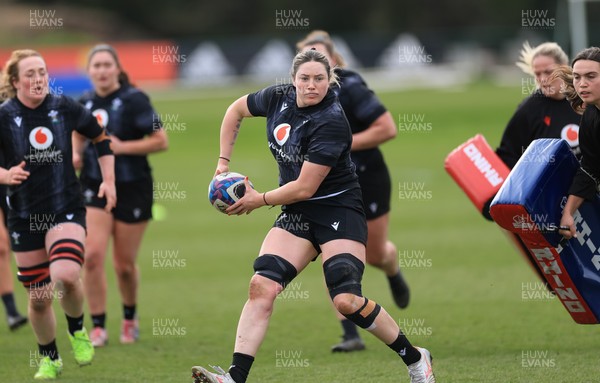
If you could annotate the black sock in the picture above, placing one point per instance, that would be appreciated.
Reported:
(75, 324)
(49, 350)
(240, 367)
(407, 352)
(99, 320)
(129, 312)
(9, 304)
(350, 329)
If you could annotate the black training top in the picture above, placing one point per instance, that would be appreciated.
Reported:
(538, 116)
(128, 115)
(587, 179)
(319, 134)
(42, 138)
(362, 108)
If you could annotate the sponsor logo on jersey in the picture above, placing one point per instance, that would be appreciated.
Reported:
(282, 133)
(101, 116)
(18, 120)
(41, 138)
(284, 106)
(570, 133)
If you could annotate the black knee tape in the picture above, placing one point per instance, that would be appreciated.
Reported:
(66, 249)
(365, 316)
(275, 268)
(343, 273)
(34, 276)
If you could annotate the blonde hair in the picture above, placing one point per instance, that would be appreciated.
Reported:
(10, 72)
(550, 49)
(322, 37)
(565, 74)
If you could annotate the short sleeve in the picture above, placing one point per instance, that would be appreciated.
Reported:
(258, 102)
(144, 117)
(85, 122)
(364, 104)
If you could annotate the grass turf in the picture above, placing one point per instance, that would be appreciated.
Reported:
(467, 282)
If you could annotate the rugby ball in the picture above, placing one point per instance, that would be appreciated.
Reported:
(226, 189)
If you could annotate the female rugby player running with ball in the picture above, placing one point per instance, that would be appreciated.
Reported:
(310, 138)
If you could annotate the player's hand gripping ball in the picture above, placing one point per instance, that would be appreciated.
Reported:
(225, 189)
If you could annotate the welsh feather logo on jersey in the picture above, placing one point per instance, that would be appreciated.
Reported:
(41, 138)
(570, 133)
(101, 116)
(282, 133)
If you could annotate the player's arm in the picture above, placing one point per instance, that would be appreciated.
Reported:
(106, 160)
(78, 142)
(304, 187)
(381, 130)
(567, 223)
(230, 128)
(156, 141)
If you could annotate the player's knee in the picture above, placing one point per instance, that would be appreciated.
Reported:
(125, 270)
(94, 259)
(275, 268)
(347, 303)
(40, 300)
(343, 275)
(262, 289)
(365, 316)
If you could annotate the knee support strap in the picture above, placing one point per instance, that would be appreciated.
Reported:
(64, 249)
(343, 274)
(365, 316)
(275, 268)
(34, 276)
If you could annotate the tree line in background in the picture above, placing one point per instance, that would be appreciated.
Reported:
(437, 23)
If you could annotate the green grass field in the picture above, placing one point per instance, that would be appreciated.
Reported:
(468, 284)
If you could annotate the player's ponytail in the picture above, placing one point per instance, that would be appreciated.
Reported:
(565, 74)
(550, 49)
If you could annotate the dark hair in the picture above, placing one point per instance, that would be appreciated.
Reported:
(313, 55)
(123, 77)
(591, 53)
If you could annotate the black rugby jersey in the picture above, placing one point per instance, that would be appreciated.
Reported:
(319, 134)
(42, 138)
(587, 179)
(128, 115)
(536, 117)
(362, 108)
